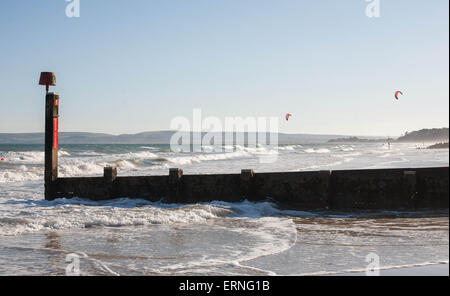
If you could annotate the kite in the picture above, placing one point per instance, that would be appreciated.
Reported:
(287, 116)
(397, 93)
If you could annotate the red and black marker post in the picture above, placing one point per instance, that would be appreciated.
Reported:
(51, 135)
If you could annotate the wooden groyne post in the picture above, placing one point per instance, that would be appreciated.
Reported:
(51, 134)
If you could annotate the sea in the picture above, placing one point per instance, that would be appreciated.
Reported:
(136, 237)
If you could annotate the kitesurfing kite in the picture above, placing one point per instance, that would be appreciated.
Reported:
(397, 93)
(287, 116)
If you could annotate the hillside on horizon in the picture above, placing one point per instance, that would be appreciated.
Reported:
(163, 137)
(426, 135)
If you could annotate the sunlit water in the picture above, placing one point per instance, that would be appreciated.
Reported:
(135, 237)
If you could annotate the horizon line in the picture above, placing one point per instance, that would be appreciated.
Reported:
(174, 131)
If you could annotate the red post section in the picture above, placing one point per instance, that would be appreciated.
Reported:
(51, 144)
(55, 133)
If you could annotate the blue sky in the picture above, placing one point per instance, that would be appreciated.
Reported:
(131, 66)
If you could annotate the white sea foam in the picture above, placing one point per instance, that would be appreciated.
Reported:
(28, 157)
(35, 215)
(240, 152)
(79, 168)
(268, 236)
(320, 150)
(20, 174)
(148, 148)
(289, 147)
(77, 213)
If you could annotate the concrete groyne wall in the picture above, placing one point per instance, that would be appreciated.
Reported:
(342, 189)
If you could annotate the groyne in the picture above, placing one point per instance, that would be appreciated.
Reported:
(342, 189)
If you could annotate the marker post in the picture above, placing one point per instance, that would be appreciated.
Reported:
(51, 134)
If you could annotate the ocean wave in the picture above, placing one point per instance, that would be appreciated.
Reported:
(29, 157)
(36, 215)
(289, 147)
(21, 173)
(146, 160)
(77, 213)
(26, 157)
(148, 148)
(76, 168)
(319, 151)
(347, 149)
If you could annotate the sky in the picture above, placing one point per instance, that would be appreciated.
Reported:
(132, 66)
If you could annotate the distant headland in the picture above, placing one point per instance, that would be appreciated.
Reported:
(426, 135)
(434, 135)
(439, 146)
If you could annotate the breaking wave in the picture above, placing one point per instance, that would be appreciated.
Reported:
(36, 215)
